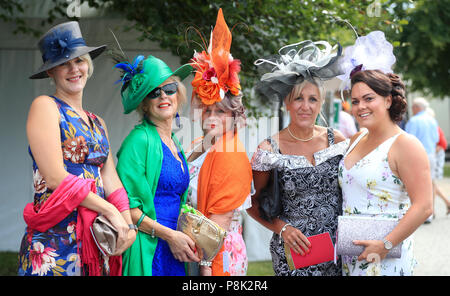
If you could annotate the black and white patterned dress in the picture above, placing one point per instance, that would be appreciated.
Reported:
(310, 195)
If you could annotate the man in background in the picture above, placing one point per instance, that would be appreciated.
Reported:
(425, 128)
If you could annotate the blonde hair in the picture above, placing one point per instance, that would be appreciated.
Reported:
(181, 91)
(297, 89)
(87, 58)
(142, 109)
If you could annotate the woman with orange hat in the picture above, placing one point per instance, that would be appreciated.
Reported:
(220, 169)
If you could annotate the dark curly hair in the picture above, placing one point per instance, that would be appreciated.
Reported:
(385, 85)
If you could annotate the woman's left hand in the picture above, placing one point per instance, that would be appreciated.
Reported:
(374, 250)
(131, 238)
(205, 271)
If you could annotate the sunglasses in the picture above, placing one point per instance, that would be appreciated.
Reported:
(169, 89)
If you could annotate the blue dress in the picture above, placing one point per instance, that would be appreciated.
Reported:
(172, 183)
(85, 150)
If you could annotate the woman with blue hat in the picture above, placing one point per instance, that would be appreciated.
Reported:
(153, 168)
(73, 169)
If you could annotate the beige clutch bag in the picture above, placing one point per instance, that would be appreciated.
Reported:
(105, 235)
(206, 234)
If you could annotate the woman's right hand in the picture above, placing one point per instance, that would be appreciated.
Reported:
(296, 240)
(182, 247)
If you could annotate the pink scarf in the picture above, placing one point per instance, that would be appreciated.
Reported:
(119, 199)
(63, 201)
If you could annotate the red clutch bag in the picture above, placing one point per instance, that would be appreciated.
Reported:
(321, 250)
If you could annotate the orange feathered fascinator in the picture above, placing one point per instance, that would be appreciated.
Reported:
(216, 72)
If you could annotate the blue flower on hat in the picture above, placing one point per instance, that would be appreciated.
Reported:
(130, 70)
(60, 45)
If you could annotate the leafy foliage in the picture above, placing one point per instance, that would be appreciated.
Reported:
(261, 27)
(423, 56)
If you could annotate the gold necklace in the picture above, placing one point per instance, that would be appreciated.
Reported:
(300, 139)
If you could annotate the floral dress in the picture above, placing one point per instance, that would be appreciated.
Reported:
(84, 150)
(310, 199)
(235, 253)
(369, 188)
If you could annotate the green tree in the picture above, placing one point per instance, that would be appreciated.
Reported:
(424, 52)
(261, 27)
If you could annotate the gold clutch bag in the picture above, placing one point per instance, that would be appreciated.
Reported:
(206, 234)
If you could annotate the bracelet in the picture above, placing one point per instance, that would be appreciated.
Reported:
(133, 227)
(152, 234)
(283, 229)
(205, 263)
(140, 220)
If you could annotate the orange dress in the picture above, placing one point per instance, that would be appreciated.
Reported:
(224, 183)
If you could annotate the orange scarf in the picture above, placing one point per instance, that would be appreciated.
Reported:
(224, 182)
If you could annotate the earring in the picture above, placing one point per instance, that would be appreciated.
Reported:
(177, 120)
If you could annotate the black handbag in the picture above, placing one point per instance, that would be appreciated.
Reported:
(269, 198)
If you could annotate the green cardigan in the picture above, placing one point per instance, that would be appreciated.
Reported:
(139, 167)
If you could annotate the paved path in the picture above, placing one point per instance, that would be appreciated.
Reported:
(432, 241)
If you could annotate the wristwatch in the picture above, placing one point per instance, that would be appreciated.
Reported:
(205, 263)
(387, 244)
(133, 227)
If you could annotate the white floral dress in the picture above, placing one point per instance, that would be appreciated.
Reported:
(369, 188)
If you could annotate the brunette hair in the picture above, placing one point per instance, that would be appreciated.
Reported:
(385, 85)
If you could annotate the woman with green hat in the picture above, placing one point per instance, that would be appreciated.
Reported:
(153, 168)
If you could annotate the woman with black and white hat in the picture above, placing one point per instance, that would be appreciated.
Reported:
(304, 155)
(73, 170)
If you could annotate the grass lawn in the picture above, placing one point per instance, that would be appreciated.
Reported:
(447, 170)
(260, 268)
(8, 265)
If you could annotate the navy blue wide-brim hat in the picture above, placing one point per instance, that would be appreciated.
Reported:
(63, 43)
